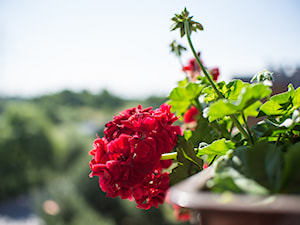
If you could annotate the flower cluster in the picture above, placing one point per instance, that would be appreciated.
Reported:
(194, 69)
(127, 158)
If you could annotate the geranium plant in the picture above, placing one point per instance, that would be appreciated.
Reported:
(143, 152)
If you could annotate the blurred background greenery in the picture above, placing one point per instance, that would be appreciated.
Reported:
(44, 145)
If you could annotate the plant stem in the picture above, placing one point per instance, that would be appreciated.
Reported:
(187, 31)
(167, 156)
(233, 116)
(248, 129)
(212, 161)
(278, 139)
(197, 103)
(240, 128)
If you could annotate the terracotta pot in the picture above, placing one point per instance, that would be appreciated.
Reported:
(209, 208)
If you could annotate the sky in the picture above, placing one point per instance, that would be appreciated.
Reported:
(123, 46)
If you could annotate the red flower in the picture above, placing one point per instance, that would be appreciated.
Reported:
(193, 68)
(190, 114)
(181, 214)
(127, 158)
(215, 73)
(205, 165)
(152, 190)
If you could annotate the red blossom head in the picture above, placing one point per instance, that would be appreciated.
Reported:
(127, 158)
(215, 73)
(152, 190)
(193, 68)
(190, 115)
(181, 214)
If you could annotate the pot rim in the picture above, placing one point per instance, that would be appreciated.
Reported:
(188, 194)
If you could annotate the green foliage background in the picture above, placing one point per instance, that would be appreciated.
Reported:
(44, 145)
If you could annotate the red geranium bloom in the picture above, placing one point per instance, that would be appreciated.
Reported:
(190, 115)
(205, 165)
(215, 73)
(127, 158)
(152, 190)
(193, 68)
(181, 214)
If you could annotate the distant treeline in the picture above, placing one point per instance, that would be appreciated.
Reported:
(84, 98)
(66, 99)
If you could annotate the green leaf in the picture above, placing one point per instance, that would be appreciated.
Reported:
(262, 163)
(230, 179)
(290, 178)
(271, 108)
(188, 151)
(234, 89)
(218, 147)
(284, 97)
(248, 96)
(182, 96)
(207, 132)
(187, 134)
(183, 83)
(264, 129)
(253, 93)
(210, 94)
(283, 103)
(255, 170)
(221, 109)
(296, 98)
(230, 91)
(188, 162)
(252, 109)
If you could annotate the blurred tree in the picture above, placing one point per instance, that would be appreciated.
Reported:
(106, 99)
(69, 98)
(68, 205)
(154, 101)
(81, 201)
(41, 142)
(26, 150)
